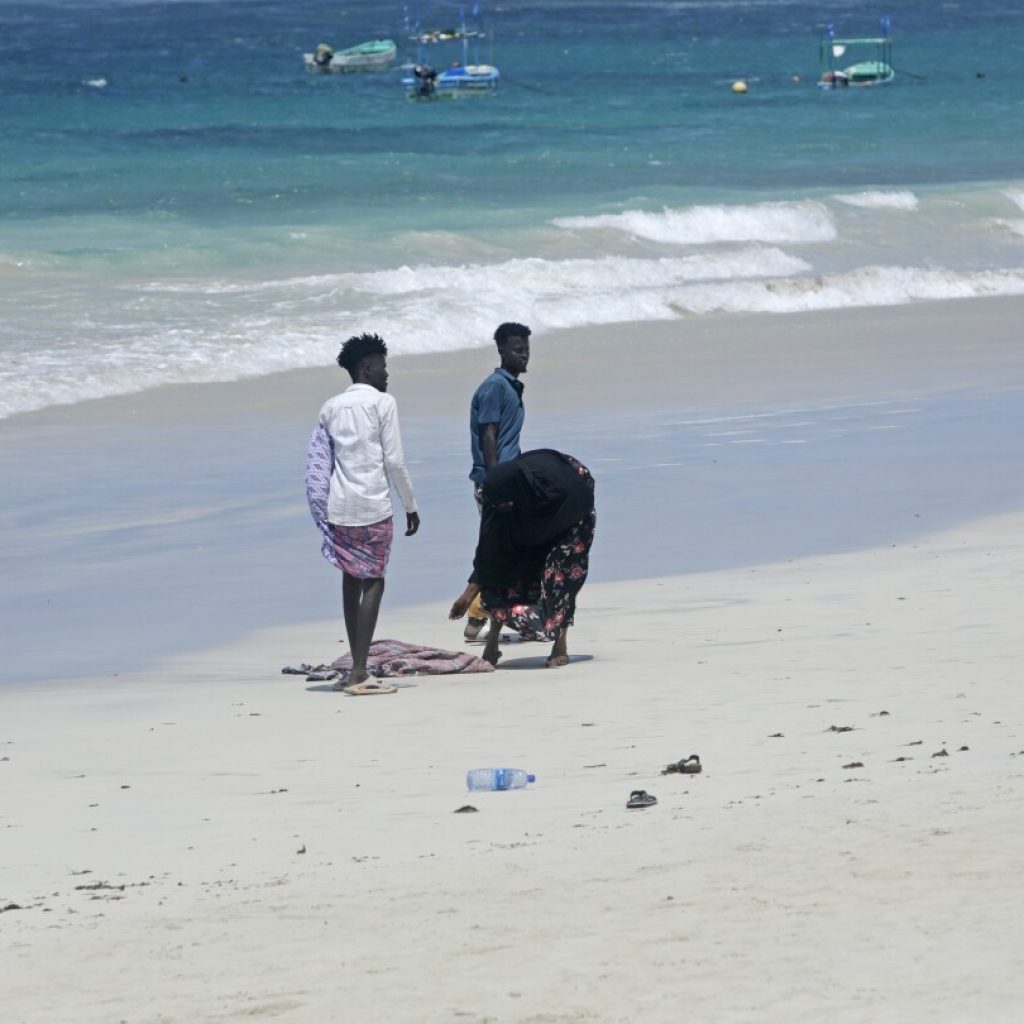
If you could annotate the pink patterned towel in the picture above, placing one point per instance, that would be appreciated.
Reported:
(390, 658)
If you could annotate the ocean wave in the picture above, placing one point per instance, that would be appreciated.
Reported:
(531, 276)
(793, 222)
(1015, 226)
(866, 286)
(880, 200)
(206, 337)
(1016, 196)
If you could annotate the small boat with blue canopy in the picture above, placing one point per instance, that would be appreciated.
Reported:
(856, 62)
(468, 76)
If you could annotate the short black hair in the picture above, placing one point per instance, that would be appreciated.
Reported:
(506, 331)
(357, 348)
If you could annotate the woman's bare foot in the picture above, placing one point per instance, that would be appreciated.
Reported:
(491, 652)
(559, 655)
(357, 675)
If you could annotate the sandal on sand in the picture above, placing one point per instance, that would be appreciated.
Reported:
(322, 677)
(368, 687)
(474, 627)
(688, 766)
(641, 798)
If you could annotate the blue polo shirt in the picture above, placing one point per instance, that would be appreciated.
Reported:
(499, 399)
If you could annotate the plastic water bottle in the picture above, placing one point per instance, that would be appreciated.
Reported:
(497, 778)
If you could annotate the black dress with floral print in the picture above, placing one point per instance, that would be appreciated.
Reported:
(540, 607)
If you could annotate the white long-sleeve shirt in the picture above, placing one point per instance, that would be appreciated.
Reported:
(363, 424)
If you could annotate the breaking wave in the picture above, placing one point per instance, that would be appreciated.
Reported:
(866, 286)
(227, 331)
(880, 200)
(532, 276)
(796, 222)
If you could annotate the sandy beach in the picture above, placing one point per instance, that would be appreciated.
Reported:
(806, 573)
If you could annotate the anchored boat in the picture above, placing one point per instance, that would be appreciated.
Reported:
(375, 55)
(467, 76)
(856, 62)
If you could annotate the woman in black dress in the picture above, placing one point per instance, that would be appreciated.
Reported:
(533, 552)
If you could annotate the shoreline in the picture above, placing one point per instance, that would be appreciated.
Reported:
(946, 360)
(737, 442)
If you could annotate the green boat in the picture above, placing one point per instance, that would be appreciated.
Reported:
(375, 55)
(873, 68)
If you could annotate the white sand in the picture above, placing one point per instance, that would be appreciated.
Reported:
(776, 886)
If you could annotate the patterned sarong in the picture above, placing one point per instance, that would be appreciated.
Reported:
(361, 551)
(539, 609)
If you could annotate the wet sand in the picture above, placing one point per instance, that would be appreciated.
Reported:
(140, 527)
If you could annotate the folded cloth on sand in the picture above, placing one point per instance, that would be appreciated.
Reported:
(391, 658)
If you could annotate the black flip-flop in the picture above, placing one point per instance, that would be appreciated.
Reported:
(641, 798)
(687, 766)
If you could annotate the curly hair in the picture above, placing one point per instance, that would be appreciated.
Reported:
(506, 331)
(357, 348)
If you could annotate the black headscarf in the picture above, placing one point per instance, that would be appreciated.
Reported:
(548, 496)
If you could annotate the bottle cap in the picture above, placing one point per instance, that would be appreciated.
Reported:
(531, 778)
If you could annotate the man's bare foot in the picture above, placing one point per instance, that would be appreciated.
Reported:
(493, 658)
(559, 655)
(356, 675)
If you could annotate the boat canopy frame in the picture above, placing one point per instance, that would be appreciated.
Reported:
(835, 63)
(470, 74)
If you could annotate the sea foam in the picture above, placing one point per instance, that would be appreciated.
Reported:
(532, 276)
(1016, 196)
(224, 331)
(880, 200)
(793, 222)
(866, 286)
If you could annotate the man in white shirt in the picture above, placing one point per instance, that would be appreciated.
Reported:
(367, 460)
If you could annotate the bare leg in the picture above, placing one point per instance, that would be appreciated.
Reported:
(351, 596)
(559, 652)
(371, 592)
(491, 652)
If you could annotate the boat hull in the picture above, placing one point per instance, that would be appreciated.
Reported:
(468, 80)
(869, 72)
(377, 56)
(471, 77)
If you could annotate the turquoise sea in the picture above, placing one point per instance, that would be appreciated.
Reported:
(180, 200)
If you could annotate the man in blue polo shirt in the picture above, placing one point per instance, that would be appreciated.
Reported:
(496, 417)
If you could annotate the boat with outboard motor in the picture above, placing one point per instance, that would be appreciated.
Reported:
(468, 76)
(375, 55)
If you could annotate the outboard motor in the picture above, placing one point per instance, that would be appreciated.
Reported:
(426, 78)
